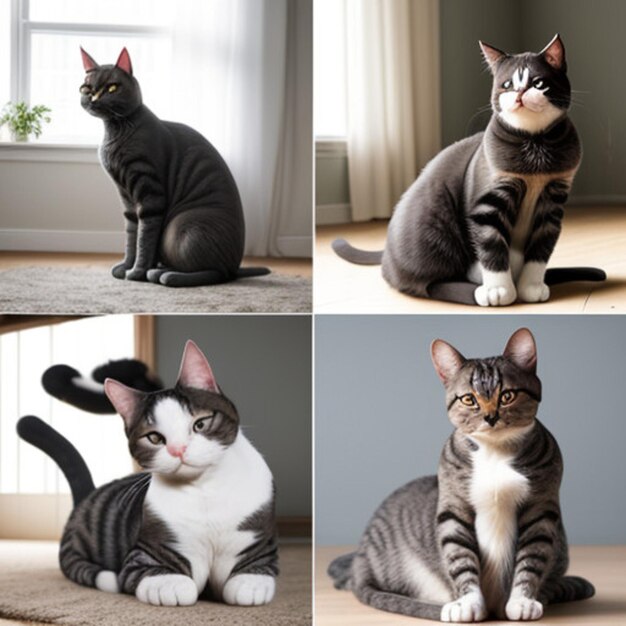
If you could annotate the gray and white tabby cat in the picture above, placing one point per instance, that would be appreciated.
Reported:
(482, 219)
(485, 536)
(184, 220)
(199, 520)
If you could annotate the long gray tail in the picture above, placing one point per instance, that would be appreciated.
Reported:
(61, 451)
(361, 257)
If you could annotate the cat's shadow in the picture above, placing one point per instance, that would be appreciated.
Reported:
(593, 606)
(609, 286)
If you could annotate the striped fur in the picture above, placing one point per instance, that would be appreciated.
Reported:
(183, 214)
(485, 536)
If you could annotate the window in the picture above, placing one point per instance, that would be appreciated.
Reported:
(24, 356)
(46, 67)
(330, 69)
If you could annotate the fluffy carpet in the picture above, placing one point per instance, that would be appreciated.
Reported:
(93, 291)
(32, 588)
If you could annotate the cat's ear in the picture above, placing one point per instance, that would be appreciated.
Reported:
(492, 55)
(446, 359)
(554, 53)
(195, 370)
(123, 62)
(124, 399)
(88, 62)
(522, 350)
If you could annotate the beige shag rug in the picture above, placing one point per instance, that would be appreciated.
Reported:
(32, 589)
(93, 291)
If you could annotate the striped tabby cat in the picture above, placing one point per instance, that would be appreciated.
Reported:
(200, 520)
(485, 536)
(184, 220)
(481, 221)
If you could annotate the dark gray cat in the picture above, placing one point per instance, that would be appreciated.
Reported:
(200, 520)
(485, 536)
(184, 220)
(481, 221)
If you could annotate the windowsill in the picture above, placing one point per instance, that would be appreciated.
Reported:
(48, 152)
(331, 147)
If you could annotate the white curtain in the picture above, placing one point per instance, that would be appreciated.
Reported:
(393, 99)
(230, 62)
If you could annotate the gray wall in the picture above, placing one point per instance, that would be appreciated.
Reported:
(381, 421)
(595, 46)
(263, 364)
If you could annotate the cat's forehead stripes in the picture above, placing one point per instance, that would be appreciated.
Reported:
(486, 379)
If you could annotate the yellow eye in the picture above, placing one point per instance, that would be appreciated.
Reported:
(112, 88)
(155, 438)
(506, 397)
(468, 400)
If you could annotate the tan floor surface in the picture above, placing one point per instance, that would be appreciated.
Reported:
(604, 566)
(591, 236)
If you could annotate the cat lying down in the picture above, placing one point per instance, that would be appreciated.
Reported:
(481, 221)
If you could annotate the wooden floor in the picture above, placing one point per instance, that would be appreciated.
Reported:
(591, 236)
(299, 267)
(604, 566)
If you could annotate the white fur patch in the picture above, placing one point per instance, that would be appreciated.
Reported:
(249, 589)
(520, 608)
(497, 289)
(106, 580)
(468, 608)
(496, 489)
(204, 513)
(425, 583)
(87, 383)
(167, 590)
(531, 287)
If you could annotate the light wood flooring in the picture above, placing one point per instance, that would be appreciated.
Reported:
(291, 266)
(591, 236)
(604, 566)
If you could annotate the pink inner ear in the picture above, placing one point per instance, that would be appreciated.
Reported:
(123, 398)
(88, 63)
(123, 62)
(195, 370)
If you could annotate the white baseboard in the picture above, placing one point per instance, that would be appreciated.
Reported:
(326, 214)
(61, 240)
(295, 245)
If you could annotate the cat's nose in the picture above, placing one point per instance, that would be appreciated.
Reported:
(492, 419)
(177, 451)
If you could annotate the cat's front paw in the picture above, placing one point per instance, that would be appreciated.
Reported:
(523, 609)
(249, 589)
(167, 590)
(119, 270)
(501, 295)
(468, 608)
(106, 580)
(137, 273)
(534, 292)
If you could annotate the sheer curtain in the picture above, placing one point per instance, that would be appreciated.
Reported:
(230, 65)
(393, 99)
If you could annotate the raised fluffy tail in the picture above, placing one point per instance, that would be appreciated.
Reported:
(361, 257)
(69, 385)
(61, 451)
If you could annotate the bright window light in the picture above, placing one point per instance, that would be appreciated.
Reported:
(24, 356)
(330, 69)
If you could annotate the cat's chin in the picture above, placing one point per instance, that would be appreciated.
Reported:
(500, 433)
(526, 120)
(183, 472)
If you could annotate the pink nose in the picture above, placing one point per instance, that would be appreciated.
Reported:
(177, 451)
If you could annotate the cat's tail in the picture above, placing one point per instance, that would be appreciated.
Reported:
(69, 385)
(61, 451)
(361, 257)
(558, 275)
(246, 272)
(570, 588)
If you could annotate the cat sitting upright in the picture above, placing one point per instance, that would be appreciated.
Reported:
(184, 220)
(482, 219)
(198, 520)
(485, 536)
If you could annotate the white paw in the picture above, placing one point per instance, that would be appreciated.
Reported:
(523, 609)
(249, 589)
(167, 590)
(495, 296)
(534, 292)
(106, 580)
(468, 608)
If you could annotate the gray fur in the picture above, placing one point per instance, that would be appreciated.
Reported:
(421, 549)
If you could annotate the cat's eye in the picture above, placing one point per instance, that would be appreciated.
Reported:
(85, 89)
(468, 400)
(538, 83)
(203, 423)
(155, 438)
(507, 84)
(506, 397)
(112, 88)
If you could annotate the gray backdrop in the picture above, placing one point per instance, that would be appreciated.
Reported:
(263, 364)
(380, 417)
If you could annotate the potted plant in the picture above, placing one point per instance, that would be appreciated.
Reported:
(24, 121)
